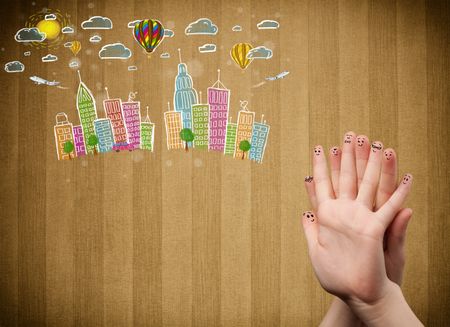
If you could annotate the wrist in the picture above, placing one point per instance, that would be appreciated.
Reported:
(391, 309)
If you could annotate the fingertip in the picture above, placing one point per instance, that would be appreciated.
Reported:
(407, 179)
(335, 151)
(361, 140)
(309, 217)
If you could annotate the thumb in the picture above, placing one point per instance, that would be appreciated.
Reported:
(311, 228)
(396, 234)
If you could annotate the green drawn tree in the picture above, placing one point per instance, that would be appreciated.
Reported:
(187, 136)
(93, 141)
(68, 148)
(244, 146)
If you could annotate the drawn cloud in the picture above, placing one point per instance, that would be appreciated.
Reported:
(30, 35)
(14, 67)
(67, 44)
(131, 68)
(236, 28)
(201, 26)
(260, 52)
(50, 17)
(168, 33)
(165, 55)
(114, 51)
(49, 58)
(95, 39)
(27, 53)
(268, 25)
(67, 30)
(207, 48)
(134, 22)
(97, 23)
(74, 64)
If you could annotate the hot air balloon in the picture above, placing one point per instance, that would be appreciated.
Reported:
(149, 33)
(75, 47)
(239, 54)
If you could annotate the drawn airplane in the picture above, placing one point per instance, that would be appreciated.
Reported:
(279, 76)
(40, 81)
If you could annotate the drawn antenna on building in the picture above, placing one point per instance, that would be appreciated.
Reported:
(200, 97)
(218, 84)
(262, 119)
(107, 94)
(147, 117)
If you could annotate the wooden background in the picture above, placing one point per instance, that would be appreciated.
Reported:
(175, 239)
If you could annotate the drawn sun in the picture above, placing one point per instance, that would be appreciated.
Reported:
(51, 28)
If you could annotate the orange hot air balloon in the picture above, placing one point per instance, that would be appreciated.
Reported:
(75, 47)
(239, 54)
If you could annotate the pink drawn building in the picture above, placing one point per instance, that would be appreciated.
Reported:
(219, 103)
(113, 111)
(132, 117)
(80, 148)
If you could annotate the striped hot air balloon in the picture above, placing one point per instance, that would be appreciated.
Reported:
(75, 47)
(149, 33)
(239, 54)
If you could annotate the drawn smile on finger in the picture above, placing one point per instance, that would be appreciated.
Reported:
(376, 146)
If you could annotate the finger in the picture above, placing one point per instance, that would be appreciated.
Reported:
(387, 212)
(388, 178)
(322, 181)
(311, 190)
(369, 184)
(396, 234)
(362, 151)
(347, 176)
(311, 229)
(335, 164)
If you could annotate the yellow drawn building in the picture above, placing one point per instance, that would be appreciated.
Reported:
(244, 128)
(63, 133)
(173, 128)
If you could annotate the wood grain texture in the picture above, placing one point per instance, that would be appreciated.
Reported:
(198, 239)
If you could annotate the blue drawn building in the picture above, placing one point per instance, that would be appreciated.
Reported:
(185, 95)
(260, 134)
(104, 133)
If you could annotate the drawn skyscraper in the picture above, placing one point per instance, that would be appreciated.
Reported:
(173, 128)
(218, 100)
(132, 116)
(230, 140)
(185, 95)
(200, 118)
(113, 111)
(244, 128)
(87, 112)
(259, 140)
(147, 134)
(104, 133)
(63, 133)
(80, 148)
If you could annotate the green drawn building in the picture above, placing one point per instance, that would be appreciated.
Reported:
(87, 113)
(230, 140)
(200, 117)
(147, 133)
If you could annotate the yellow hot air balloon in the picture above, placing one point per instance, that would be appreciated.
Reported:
(239, 54)
(75, 47)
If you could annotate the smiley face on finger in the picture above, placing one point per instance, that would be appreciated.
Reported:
(360, 141)
(407, 178)
(317, 150)
(377, 146)
(308, 215)
(335, 151)
(348, 138)
(388, 154)
(309, 179)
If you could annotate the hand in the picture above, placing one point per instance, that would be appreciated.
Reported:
(345, 238)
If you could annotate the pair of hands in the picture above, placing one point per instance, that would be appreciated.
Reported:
(356, 235)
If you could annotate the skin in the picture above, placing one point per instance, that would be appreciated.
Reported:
(356, 210)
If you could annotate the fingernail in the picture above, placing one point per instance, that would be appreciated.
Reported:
(318, 150)
(360, 140)
(309, 179)
(348, 138)
(334, 151)
(407, 179)
(388, 154)
(377, 146)
(309, 216)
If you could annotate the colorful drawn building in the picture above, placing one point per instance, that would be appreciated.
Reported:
(63, 133)
(173, 128)
(230, 139)
(132, 116)
(113, 111)
(87, 112)
(104, 133)
(185, 95)
(218, 100)
(260, 134)
(78, 137)
(200, 121)
(244, 128)
(147, 133)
